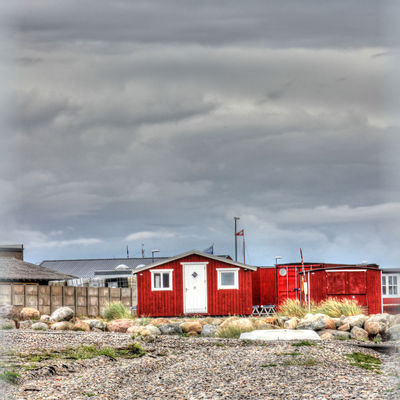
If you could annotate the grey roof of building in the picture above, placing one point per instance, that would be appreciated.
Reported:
(14, 269)
(388, 270)
(85, 268)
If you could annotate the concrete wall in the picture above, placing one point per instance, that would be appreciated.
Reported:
(85, 301)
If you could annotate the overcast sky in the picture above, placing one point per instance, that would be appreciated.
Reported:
(126, 122)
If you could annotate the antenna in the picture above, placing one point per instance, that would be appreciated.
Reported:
(142, 250)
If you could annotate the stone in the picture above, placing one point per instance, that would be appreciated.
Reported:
(345, 328)
(160, 321)
(134, 330)
(383, 318)
(209, 330)
(244, 324)
(193, 333)
(29, 313)
(280, 321)
(291, 323)
(326, 336)
(330, 323)
(153, 330)
(96, 323)
(394, 320)
(217, 321)
(6, 323)
(374, 327)
(81, 326)
(120, 325)
(191, 326)
(39, 326)
(313, 322)
(337, 322)
(280, 334)
(7, 311)
(393, 333)
(358, 333)
(45, 318)
(228, 321)
(25, 324)
(335, 333)
(62, 314)
(270, 320)
(61, 326)
(261, 324)
(355, 320)
(170, 329)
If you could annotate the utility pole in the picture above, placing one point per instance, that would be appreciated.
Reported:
(236, 219)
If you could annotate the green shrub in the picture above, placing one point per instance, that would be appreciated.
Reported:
(336, 307)
(115, 310)
(364, 361)
(7, 327)
(308, 362)
(293, 308)
(10, 376)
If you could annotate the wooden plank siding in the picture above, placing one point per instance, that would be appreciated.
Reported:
(264, 286)
(170, 302)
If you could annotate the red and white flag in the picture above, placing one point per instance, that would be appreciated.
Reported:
(240, 233)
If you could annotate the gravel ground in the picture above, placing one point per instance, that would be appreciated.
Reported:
(197, 368)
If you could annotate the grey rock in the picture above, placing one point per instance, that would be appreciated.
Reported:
(358, 333)
(62, 314)
(335, 333)
(355, 320)
(25, 324)
(40, 326)
(313, 322)
(96, 323)
(280, 334)
(153, 330)
(209, 330)
(393, 332)
(170, 329)
(7, 324)
(7, 311)
(45, 318)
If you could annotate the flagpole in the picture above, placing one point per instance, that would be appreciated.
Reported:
(236, 218)
(244, 252)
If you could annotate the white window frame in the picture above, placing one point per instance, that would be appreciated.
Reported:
(160, 271)
(386, 285)
(236, 278)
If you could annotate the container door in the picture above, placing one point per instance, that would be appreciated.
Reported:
(195, 288)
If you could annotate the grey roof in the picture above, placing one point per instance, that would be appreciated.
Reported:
(388, 270)
(85, 268)
(198, 253)
(14, 269)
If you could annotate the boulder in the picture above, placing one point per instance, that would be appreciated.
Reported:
(394, 320)
(153, 330)
(96, 323)
(134, 330)
(280, 321)
(120, 325)
(45, 318)
(81, 326)
(40, 326)
(62, 314)
(382, 318)
(193, 333)
(209, 330)
(345, 328)
(25, 324)
(228, 321)
(191, 326)
(355, 320)
(337, 322)
(280, 334)
(244, 324)
(217, 321)
(6, 323)
(330, 323)
(160, 321)
(270, 320)
(170, 329)
(358, 333)
(7, 311)
(393, 333)
(260, 324)
(374, 327)
(326, 336)
(29, 313)
(291, 323)
(313, 322)
(335, 333)
(61, 326)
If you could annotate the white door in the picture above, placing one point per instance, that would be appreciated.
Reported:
(195, 288)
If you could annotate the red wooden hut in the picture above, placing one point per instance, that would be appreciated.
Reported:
(319, 281)
(391, 290)
(194, 283)
(264, 286)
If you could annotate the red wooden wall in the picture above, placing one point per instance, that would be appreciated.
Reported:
(170, 302)
(264, 286)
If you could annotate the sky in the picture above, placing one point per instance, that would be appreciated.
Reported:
(157, 122)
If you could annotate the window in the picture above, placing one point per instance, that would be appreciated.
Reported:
(161, 279)
(390, 285)
(228, 278)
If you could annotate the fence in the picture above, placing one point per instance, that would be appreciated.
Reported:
(88, 301)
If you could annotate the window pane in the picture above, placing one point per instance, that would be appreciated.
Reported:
(383, 280)
(166, 280)
(157, 281)
(390, 279)
(383, 289)
(390, 289)
(394, 289)
(395, 280)
(227, 278)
